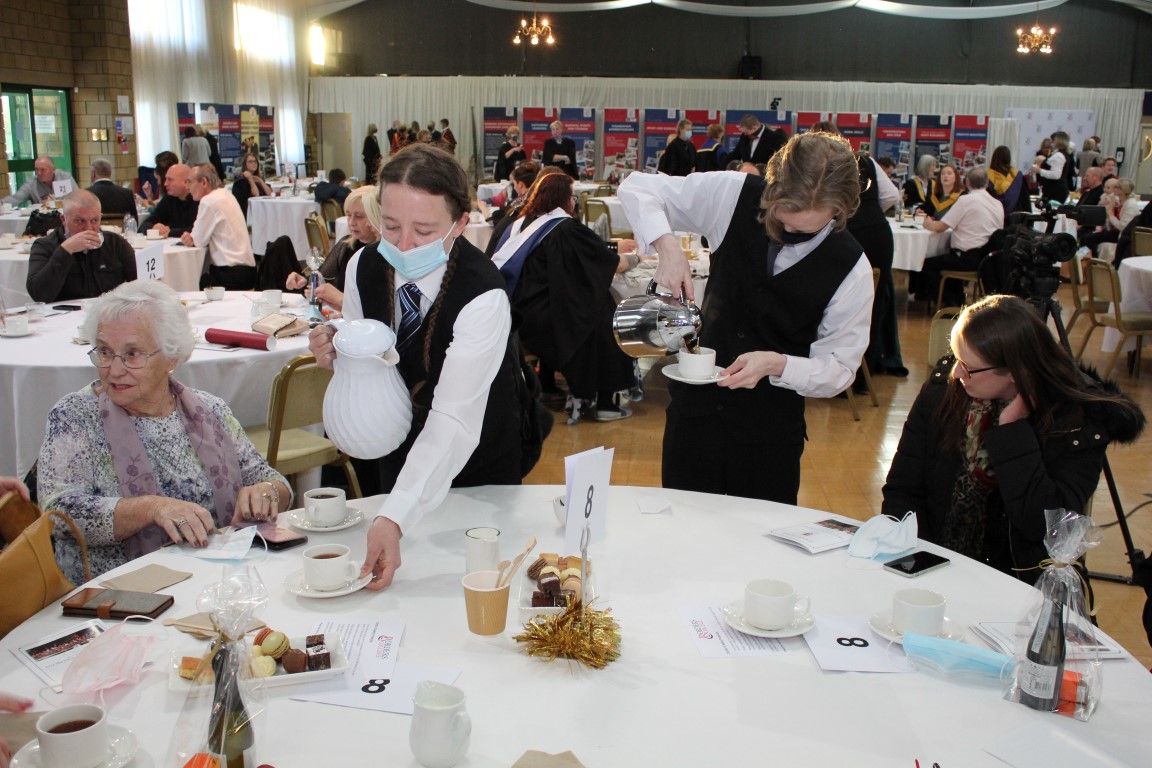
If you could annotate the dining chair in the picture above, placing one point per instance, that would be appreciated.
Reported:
(965, 276)
(331, 210)
(1142, 241)
(297, 401)
(940, 334)
(604, 190)
(865, 371)
(317, 233)
(1104, 290)
(594, 209)
(1079, 294)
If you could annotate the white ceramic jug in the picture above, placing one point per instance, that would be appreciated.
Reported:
(367, 409)
(441, 728)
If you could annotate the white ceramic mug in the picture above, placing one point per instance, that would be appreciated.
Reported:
(272, 296)
(697, 365)
(918, 610)
(481, 549)
(772, 604)
(325, 507)
(7, 239)
(214, 293)
(139, 241)
(441, 728)
(73, 737)
(153, 234)
(328, 567)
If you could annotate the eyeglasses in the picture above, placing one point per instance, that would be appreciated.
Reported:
(102, 357)
(968, 372)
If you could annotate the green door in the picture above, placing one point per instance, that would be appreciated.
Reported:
(36, 123)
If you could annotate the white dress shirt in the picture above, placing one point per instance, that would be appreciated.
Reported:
(220, 226)
(889, 195)
(973, 218)
(452, 430)
(657, 205)
(1055, 169)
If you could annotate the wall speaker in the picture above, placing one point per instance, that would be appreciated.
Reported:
(751, 68)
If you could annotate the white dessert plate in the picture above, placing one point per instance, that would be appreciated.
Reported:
(121, 750)
(673, 372)
(528, 586)
(294, 583)
(295, 518)
(881, 623)
(734, 616)
(281, 678)
(9, 335)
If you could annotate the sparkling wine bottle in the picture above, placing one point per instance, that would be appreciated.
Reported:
(230, 735)
(1040, 672)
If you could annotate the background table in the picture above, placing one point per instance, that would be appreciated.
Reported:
(661, 703)
(1136, 290)
(37, 370)
(485, 192)
(15, 222)
(271, 217)
(914, 245)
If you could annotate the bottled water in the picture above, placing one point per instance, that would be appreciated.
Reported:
(129, 225)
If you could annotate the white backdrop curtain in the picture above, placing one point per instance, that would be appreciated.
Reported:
(192, 51)
(381, 100)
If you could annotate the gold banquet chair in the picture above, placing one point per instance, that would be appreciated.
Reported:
(865, 371)
(940, 334)
(317, 233)
(1104, 290)
(1080, 298)
(297, 401)
(1142, 241)
(331, 210)
(594, 209)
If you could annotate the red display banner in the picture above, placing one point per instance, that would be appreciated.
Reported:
(621, 140)
(804, 120)
(857, 128)
(537, 131)
(701, 119)
(970, 143)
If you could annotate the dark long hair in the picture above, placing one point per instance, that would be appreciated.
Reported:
(1001, 161)
(1007, 332)
(551, 191)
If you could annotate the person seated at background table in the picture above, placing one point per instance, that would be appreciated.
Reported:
(79, 261)
(559, 276)
(712, 156)
(1003, 430)
(1091, 187)
(1120, 209)
(889, 167)
(363, 211)
(333, 188)
(1005, 183)
(113, 198)
(1110, 167)
(559, 150)
(138, 459)
(787, 309)
(918, 189)
(522, 178)
(249, 184)
(974, 219)
(194, 149)
(38, 189)
(510, 155)
(946, 190)
(176, 212)
(679, 158)
(448, 304)
(1055, 172)
(164, 161)
(220, 227)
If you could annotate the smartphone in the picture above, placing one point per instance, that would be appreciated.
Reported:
(68, 307)
(916, 563)
(279, 538)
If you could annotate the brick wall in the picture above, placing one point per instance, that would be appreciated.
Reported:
(81, 45)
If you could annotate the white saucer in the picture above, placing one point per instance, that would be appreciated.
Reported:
(121, 750)
(734, 616)
(673, 372)
(295, 584)
(295, 518)
(881, 623)
(6, 334)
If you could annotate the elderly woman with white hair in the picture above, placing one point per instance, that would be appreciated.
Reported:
(138, 459)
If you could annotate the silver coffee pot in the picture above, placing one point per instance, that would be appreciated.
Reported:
(655, 324)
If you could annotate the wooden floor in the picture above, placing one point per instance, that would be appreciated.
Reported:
(845, 461)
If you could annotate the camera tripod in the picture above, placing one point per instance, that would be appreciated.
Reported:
(1048, 307)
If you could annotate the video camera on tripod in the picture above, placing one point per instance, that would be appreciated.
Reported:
(1030, 261)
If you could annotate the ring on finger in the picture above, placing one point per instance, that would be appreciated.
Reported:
(183, 521)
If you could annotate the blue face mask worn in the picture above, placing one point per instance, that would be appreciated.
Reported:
(416, 262)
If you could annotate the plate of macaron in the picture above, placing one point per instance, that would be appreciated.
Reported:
(273, 657)
(550, 582)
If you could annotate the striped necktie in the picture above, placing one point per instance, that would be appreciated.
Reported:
(409, 296)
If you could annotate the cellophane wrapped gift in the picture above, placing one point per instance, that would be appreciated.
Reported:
(224, 726)
(1057, 660)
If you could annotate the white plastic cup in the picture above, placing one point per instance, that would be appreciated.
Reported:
(481, 549)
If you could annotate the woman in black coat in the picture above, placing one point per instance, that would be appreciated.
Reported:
(371, 154)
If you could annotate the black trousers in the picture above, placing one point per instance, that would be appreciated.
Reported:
(964, 261)
(230, 278)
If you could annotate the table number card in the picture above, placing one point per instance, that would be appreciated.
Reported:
(150, 262)
(847, 644)
(61, 188)
(587, 476)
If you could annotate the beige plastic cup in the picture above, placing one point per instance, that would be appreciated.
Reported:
(487, 606)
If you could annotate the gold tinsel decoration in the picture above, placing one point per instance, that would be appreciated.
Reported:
(580, 633)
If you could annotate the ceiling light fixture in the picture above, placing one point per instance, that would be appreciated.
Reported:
(1036, 39)
(534, 32)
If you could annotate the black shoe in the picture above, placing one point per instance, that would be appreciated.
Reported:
(553, 398)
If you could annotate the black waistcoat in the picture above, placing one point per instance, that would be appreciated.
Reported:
(496, 460)
(747, 310)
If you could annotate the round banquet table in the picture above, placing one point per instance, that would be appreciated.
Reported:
(15, 221)
(913, 244)
(271, 217)
(37, 370)
(1136, 289)
(661, 703)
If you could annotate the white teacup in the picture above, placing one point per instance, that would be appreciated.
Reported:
(153, 234)
(697, 365)
(772, 604)
(272, 296)
(16, 325)
(918, 610)
(7, 240)
(325, 507)
(73, 737)
(7, 207)
(441, 729)
(138, 241)
(328, 567)
(214, 293)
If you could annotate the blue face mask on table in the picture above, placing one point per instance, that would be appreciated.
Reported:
(414, 263)
(955, 660)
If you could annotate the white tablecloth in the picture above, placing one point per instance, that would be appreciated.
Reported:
(1136, 292)
(182, 268)
(485, 192)
(913, 244)
(661, 703)
(341, 228)
(37, 370)
(271, 217)
(14, 222)
(616, 211)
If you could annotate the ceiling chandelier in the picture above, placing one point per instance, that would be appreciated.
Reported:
(1035, 39)
(534, 32)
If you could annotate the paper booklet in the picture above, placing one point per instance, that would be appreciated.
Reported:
(821, 536)
(50, 656)
(1001, 636)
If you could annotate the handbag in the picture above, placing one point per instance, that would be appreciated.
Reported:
(32, 580)
(280, 325)
(41, 224)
